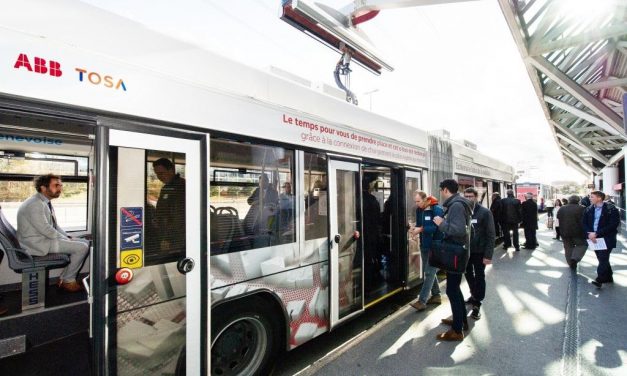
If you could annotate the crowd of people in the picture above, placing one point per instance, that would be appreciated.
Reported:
(581, 224)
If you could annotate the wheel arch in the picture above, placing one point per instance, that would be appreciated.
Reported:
(268, 296)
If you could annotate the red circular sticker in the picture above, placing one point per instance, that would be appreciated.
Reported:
(123, 276)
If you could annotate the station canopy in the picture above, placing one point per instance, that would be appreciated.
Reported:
(575, 52)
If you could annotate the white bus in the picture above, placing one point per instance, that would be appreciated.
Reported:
(288, 217)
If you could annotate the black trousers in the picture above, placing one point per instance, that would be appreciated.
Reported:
(507, 241)
(456, 298)
(604, 270)
(530, 237)
(475, 276)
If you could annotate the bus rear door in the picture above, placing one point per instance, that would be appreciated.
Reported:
(346, 239)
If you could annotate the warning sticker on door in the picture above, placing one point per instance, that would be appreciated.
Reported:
(131, 238)
(131, 217)
(132, 258)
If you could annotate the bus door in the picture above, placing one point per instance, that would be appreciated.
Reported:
(147, 284)
(413, 182)
(346, 240)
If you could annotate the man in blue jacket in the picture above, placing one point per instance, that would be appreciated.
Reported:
(427, 208)
(601, 220)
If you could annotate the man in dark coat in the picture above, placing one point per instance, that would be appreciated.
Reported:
(495, 209)
(570, 218)
(170, 210)
(510, 219)
(585, 201)
(371, 233)
(530, 221)
(481, 249)
(601, 220)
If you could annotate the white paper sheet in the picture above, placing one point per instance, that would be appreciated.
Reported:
(599, 245)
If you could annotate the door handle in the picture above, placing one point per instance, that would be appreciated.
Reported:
(185, 265)
(337, 239)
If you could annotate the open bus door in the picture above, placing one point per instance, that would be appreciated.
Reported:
(149, 284)
(413, 182)
(347, 289)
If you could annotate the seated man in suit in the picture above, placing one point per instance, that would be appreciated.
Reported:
(39, 233)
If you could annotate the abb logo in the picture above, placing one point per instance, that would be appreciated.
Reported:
(53, 68)
(42, 66)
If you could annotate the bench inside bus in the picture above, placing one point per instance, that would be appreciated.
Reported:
(34, 269)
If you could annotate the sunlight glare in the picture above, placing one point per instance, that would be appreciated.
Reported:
(586, 9)
(523, 321)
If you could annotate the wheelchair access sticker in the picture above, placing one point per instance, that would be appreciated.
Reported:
(132, 258)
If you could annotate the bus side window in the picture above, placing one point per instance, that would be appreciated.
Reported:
(315, 191)
(252, 200)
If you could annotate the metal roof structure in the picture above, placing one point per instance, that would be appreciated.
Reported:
(575, 52)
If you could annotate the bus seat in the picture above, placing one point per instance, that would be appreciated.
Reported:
(228, 232)
(33, 268)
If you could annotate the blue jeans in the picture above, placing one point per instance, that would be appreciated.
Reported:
(604, 270)
(430, 282)
(455, 296)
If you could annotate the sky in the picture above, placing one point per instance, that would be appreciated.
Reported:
(456, 67)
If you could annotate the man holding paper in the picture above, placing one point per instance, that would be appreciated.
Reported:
(601, 221)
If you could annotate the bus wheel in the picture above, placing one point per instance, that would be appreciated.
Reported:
(245, 339)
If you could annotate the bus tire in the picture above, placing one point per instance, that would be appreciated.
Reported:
(245, 338)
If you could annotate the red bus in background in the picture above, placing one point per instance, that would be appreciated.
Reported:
(523, 189)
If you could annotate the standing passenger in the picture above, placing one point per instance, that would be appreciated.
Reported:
(456, 227)
(286, 208)
(549, 208)
(371, 233)
(556, 223)
(510, 218)
(259, 221)
(571, 219)
(170, 210)
(481, 250)
(585, 201)
(427, 208)
(601, 220)
(496, 208)
(530, 221)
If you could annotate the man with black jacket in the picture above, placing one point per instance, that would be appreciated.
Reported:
(510, 218)
(530, 221)
(482, 241)
(570, 218)
(456, 228)
(495, 209)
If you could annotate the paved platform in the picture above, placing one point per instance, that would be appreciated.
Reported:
(538, 318)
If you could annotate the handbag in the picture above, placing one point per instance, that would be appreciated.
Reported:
(449, 256)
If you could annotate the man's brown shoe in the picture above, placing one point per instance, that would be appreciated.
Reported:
(449, 322)
(451, 335)
(435, 299)
(71, 286)
(418, 305)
